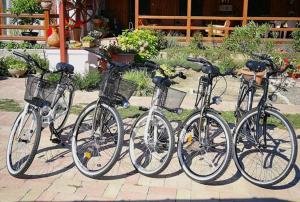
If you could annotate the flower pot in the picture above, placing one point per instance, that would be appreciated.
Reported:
(249, 75)
(16, 72)
(33, 34)
(46, 4)
(88, 44)
(76, 34)
(124, 58)
(293, 75)
(53, 39)
(97, 22)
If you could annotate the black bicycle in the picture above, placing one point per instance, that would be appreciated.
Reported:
(98, 133)
(205, 141)
(48, 104)
(265, 145)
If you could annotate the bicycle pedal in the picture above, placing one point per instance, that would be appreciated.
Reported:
(56, 141)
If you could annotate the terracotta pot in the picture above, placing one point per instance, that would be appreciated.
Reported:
(249, 75)
(97, 22)
(46, 5)
(53, 39)
(16, 72)
(123, 57)
(76, 34)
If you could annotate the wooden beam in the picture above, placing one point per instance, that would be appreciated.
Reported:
(35, 27)
(245, 12)
(136, 11)
(188, 23)
(62, 37)
(22, 38)
(46, 22)
(1, 10)
(160, 17)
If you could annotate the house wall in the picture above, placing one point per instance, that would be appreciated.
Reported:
(119, 9)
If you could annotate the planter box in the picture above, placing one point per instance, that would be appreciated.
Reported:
(123, 58)
(82, 60)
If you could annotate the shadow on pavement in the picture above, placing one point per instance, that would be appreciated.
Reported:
(51, 154)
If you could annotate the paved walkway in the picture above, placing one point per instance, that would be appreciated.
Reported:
(52, 177)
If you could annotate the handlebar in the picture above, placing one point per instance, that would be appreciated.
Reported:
(30, 60)
(200, 60)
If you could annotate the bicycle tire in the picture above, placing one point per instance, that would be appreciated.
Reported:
(226, 162)
(20, 172)
(292, 135)
(88, 109)
(168, 158)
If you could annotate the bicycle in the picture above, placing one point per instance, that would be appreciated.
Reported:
(205, 143)
(263, 134)
(47, 104)
(99, 132)
(152, 142)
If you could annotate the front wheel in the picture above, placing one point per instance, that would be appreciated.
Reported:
(23, 142)
(97, 139)
(151, 149)
(265, 148)
(205, 146)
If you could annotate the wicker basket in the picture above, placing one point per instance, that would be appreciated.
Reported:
(249, 75)
(171, 98)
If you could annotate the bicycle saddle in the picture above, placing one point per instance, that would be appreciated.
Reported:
(256, 66)
(64, 67)
(161, 81)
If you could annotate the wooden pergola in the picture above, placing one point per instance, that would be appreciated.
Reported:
(188, 26)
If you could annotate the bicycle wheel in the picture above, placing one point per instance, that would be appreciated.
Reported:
(23, 142)
(205, 146)
(150, 154)
(62, 109)
(96, 151)
(264, 159)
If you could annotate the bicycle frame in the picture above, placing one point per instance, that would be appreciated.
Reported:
(154, 108)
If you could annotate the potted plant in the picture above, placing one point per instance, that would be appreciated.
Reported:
(16, 67)
(29, 7)
(120, 55)
(46, 4)
(88, 41)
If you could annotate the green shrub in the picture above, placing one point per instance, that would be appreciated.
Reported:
(43, 62)
(3, 67)
(20, 45)
(15, 63)
(249, 38)
(143, 81)
(296, 40)
(144, 42)
(197, 40)
(90, 81)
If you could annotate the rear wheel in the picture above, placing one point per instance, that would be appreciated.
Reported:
(205, 146)
(62, 109)
(23, 142)
(97, 139)
(151, 153)
(265, 153)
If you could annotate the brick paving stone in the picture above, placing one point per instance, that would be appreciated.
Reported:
(134, 189)
(164, 191)
(133, 179)
(129, 196)
(92, 189)
(112, 191)
(33, 194)
(183, 194)
(144, 181)
(69, 197)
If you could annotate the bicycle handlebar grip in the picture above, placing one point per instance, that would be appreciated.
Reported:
(181, 75)
(261, 55)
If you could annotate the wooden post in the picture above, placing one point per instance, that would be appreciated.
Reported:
(245, 12)
(136, 10)
(188, 23)
(46, 23)
(62, 37)
(1, 20)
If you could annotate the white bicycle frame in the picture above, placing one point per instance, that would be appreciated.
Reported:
(154, 108)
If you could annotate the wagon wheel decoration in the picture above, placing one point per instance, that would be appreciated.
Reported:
(80, 11)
